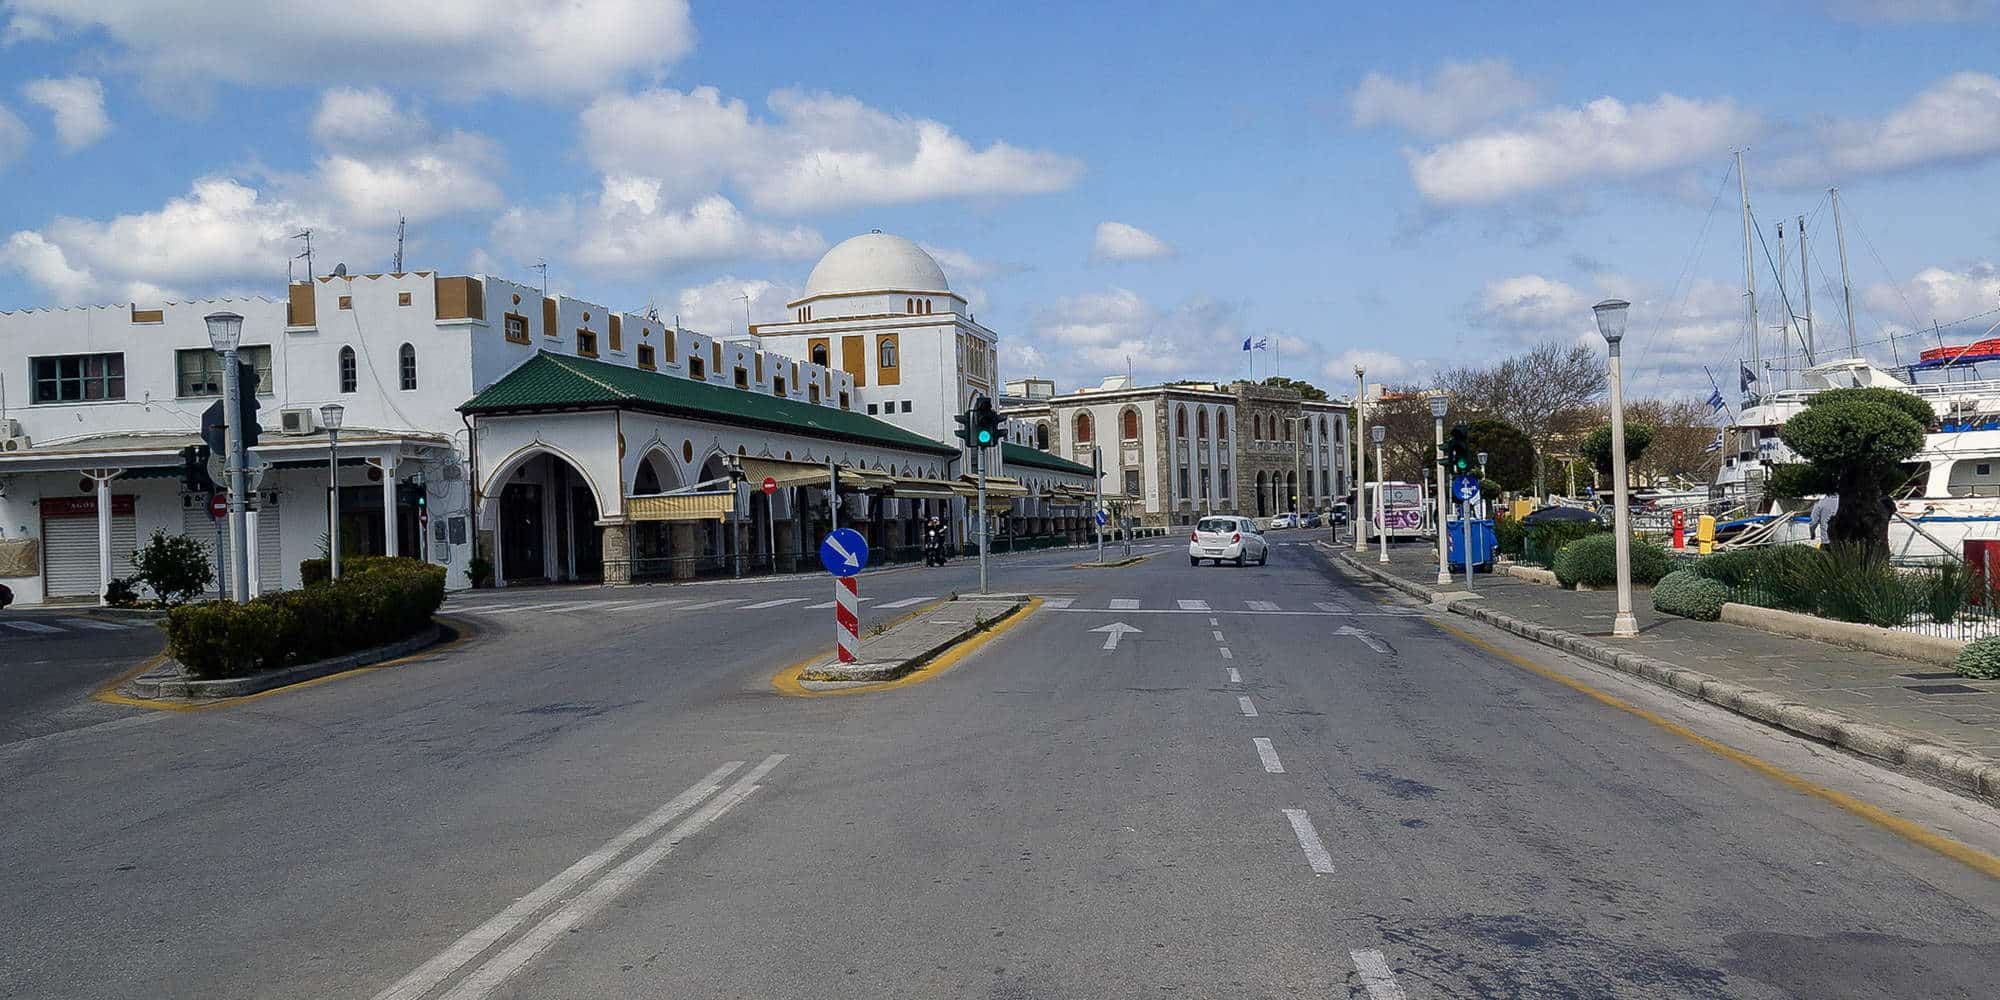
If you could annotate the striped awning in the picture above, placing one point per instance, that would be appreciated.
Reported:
(856, 478)
(786, 473)
(924, 489)
(681, 507)
(996, 486)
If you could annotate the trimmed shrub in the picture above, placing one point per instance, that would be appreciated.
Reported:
(1684, 593)
(174, 567)
(1980, 658)
(1731, 568)
(1544, 540)
(1509, 535)
(1593, 561)
(382, 601)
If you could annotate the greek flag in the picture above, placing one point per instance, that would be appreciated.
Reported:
(1715, 445)
(1263, 343)
(1715, 403)
(1246, 343)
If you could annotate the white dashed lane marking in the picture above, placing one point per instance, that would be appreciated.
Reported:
(1309, 842)
(1243, 704)
(1376, 977)
(1269, 755)
(1124, 604)
(779, 603)
(908, 602)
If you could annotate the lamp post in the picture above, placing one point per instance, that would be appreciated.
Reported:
(1378, 432)
(1440, 403)
(1482, 479)
(330, 416)
(1611, 323)
(1357, 514)
(225, 332)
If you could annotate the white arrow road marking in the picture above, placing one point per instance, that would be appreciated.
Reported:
(1243, 704)
(1376, 977)
(834, 544)
(1269, 755)
(1302, 827)
(1369, 639)
(1117, 631)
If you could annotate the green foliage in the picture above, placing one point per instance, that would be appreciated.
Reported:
(1510, 456)
(1842, 582)
(1306, 390)
(313, 572)
(1592, 561)
(1509, 535)
(1690, 595)
(174, 567)
(120, 593)
(1796, 481)
(1730, 567)
(481, 570)
(382, 601)
(1545, 539)
(1980, 658)
(1945, 588)
(1597, 444)
(1856, 439)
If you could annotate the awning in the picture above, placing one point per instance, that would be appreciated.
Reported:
(855, 478)
(756, 470)
(996, 486)
(681, 507)
(924, 489)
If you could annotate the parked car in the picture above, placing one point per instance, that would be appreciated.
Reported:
(1312, 521)
(1287, 520)
(1234, 539)
(1339, 515)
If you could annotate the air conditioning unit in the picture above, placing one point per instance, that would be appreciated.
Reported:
(10, 428)
(17, 442)
(298, 422)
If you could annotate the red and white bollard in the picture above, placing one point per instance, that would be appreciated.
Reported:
(847, 617)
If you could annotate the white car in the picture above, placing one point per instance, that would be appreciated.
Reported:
(1285, 521)
(1227, 538)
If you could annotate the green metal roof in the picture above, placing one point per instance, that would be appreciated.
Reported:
(1020, 454)
(560, 382)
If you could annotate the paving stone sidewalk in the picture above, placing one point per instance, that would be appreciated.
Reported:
(1923, 700)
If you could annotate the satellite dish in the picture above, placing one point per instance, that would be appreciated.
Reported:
(340, 270)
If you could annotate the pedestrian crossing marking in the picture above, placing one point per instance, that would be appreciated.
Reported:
(1331, 608)
(87, 623)
(781, 602)
(33, 627)
(713, 604)
(1058, 603)
(645, 605)
(1262, 605)
(908, 602)
(1124, 604)
(821, 606)
(1194, 605)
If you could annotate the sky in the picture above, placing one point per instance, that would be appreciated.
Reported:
(1406, 187)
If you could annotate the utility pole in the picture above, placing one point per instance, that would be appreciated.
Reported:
(1846, 288)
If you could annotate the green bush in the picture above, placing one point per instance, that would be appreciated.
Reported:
(1732, 567)
(313, 572)
(1946, 586)
(1592, 561)
(174, 567)
(1509, 535)
(382, 601)
(120, 593)
(1688, 595)
(1544, 540)
(1980, 658)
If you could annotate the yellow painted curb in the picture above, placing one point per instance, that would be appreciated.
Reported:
(463, 631)
(786, 681)
(1964, 854)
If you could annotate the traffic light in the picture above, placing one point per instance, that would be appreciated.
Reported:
(194, 469)
(246, 381)
(1458, 451)
(985, 423)
(964, 431)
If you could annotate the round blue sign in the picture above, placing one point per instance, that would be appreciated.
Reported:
(1465, 487)
(843, 552)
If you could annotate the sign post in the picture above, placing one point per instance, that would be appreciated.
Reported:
(1466, 488)
(844, 552)
(1097, 477)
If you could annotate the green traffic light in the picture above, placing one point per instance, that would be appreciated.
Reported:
(985, 437)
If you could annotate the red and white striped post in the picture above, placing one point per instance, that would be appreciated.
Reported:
(847, 617)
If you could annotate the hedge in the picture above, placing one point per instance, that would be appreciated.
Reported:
(1980, 658)
(1687, 595)
(1509, 535)
(313, 572)
(381, 601)
(1592, 561)
(1840, 582)
(1544, 540)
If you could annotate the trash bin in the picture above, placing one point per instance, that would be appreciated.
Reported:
(1483, 545)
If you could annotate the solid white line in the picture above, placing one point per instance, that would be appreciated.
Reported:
(1124, 604)
(35, 627)
(1302, 826)
(87, 623)
(713, 604)
(1306, 614)
(655, 604)
(1375, 975)
(907, 602)
(502, 966)
(1269, 755)
(1193, 605)
(1217, 633)
(779, 603)
(440, 967)
(1261, 605)
(1243, 703)
(1226, 654)
(1058, 603)
(1234, 677)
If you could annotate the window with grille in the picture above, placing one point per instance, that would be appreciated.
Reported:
(349, 377)
(586, 344)
(198, 371)
(77, 378)
(517, 328)
(406, 367)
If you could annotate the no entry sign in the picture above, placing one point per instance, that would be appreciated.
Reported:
(218, 506)
(770, 486)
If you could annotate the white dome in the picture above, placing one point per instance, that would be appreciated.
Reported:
(876, 261)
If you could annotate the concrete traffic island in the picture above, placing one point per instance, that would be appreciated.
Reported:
(169, 681)
(908, 645)
(1113, 564)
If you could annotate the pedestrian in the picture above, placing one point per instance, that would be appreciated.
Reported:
(1823, 511)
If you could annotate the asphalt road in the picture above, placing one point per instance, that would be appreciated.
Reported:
(52, 659)
(603, 796)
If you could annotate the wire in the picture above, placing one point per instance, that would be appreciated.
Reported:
(1694, 257)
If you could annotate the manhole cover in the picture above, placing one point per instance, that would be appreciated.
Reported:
(1943, 689)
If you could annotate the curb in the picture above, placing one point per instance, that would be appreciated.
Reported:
(1973, 775)
(878, 672)
(1127, 561)
(1854, 635)
(149, 687)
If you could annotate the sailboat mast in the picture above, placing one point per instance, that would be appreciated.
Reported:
(1846, 287)
(1749, 272)
(1805, 290)
(1784, 304)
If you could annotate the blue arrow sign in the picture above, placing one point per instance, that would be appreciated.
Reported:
(843, 552)
(1103, 519)
(1465, 487)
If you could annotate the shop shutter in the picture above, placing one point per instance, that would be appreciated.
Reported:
(270, 571)
(69, 552)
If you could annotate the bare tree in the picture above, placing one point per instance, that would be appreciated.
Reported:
(1409, 440)
(1548, 391)
(1682, 432)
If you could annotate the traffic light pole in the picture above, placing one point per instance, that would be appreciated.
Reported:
(239, 485)
(979, 463)
(1097, 476)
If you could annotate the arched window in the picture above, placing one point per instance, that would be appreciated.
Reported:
(1288, 430)
(1083, 428)
(819, 355)
(1201, 425)
(349, 381)
(1256, 427)
(886, 353)
(1322, 430)
(910, 305)
(1222, 426)
(1042, 436)
(1130, 420)
(406, 367)
(1180, 422)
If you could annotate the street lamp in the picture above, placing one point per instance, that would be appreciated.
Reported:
(1611, 323)
(330, 416)
(1356, 514)
(1378, 432)
(1440, 403)
(225, 332)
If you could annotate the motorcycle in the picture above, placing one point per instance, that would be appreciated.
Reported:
(935, 552)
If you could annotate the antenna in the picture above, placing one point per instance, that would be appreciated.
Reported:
(652, 311)
(307, 253)
(746, 310)
(397, 266)
(543, 266)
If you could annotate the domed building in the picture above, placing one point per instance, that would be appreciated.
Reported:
(879, 308)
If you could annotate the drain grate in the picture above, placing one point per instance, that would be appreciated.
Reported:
(1945, 676)
(1942, 689)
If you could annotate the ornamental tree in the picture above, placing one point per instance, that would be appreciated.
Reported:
(1510, 456)
(1855, 439)
(1597, 445)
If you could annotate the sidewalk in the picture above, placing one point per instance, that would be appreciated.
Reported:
(1916, 715)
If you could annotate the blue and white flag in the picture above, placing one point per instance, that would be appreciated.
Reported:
(1715, 445)
(1263, 343)
(1715, 403)
(1246, 343)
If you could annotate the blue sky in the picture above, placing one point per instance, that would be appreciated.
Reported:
(1405, 186)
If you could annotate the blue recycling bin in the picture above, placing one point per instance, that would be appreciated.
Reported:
(1483, 545)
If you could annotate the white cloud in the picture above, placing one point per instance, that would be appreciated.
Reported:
(1532, 304)
(1079, 339)
(384, 160)
(14, 136)
(718, 307)
(1379, 366)
(817, 152)
(630, 228)
(1956, 119)
(464, 47)
(353, 118)
(1913, 11)
(1459, 95)
(77, 104)
(1118, 241)
(1937, 293)
(1604, 139)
